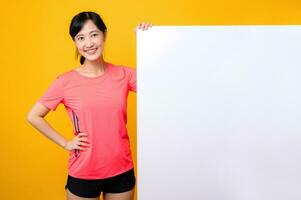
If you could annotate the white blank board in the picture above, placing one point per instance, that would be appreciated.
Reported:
(219, 113)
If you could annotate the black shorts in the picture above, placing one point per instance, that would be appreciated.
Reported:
(93, 188)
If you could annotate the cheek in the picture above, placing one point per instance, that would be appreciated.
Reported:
(99, 41)
(79, 48)
(101, 45)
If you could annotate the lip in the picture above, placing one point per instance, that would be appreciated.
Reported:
(91, 51)
(88, 50)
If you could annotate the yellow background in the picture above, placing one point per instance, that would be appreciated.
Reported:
(36, 46)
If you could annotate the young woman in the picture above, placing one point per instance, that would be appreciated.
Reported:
(95, 97)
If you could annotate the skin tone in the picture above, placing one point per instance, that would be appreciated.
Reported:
(90, 43)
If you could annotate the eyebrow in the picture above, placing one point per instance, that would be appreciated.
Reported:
(89, 33)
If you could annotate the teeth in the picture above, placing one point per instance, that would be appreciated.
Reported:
(91, 51)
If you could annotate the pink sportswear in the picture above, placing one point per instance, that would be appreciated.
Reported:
(96, 106)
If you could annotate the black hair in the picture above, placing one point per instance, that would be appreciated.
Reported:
(78, 22)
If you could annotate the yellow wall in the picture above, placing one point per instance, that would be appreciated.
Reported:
(35, 47)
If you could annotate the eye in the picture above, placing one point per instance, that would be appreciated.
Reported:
(94, 35)
(80, 38)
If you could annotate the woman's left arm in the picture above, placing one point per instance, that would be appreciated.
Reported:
(132, 80)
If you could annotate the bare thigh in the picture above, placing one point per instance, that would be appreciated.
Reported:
(71, 196)
(129, 195)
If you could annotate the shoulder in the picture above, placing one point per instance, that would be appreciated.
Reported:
(62, 78)
(124, 68)
(118, 72)
(65, 75)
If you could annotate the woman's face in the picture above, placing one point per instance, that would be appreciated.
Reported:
(90, 41)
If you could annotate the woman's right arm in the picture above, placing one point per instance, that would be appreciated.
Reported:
(36, 118)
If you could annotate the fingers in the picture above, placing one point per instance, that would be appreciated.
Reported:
(81, 134)
(86, 143)
(84, 139)
(144, 26)
(82, 146)
(81, 142)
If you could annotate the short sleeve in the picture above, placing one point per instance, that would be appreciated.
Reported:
(53, 96)
(132, 80)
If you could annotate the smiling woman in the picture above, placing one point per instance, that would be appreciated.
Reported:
(95, 97)
(88, 31)
(92, 35)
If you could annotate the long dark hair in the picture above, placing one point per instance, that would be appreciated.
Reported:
(78, 22)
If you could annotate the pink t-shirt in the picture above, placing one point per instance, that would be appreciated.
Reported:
(96, 106)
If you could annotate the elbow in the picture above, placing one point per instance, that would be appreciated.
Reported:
(36, 112)
(29, 118)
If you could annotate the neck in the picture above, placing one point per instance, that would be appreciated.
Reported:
(94, 66)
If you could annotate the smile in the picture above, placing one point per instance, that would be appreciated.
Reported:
(91, 51)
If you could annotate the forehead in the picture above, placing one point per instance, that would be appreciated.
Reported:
(88, 27)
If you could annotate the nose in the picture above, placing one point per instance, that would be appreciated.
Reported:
(89, 43)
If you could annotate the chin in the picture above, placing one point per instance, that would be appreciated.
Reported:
(92, 57)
